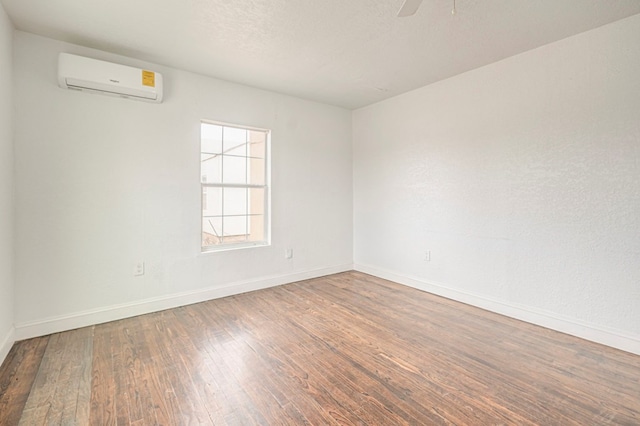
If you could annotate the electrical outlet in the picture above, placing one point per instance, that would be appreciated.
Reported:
(138, 269)
(427, 256)
(288, 253)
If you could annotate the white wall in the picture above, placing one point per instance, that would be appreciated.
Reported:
(523, 180)
(6, 185)
(102, 183)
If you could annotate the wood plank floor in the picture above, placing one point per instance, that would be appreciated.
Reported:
(348, 349)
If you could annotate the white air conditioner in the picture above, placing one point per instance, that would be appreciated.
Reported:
(92, 75)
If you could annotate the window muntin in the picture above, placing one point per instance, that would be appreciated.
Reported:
(233, 166)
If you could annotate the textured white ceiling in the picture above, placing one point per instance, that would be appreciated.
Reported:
(344, 52)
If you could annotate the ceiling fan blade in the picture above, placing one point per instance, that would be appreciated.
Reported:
(409, 8)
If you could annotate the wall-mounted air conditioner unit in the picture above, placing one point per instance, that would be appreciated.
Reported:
(80, 73)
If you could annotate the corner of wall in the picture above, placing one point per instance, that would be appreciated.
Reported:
(7, 188)
(6, 344)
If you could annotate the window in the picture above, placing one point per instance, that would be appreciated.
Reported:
(234, 182)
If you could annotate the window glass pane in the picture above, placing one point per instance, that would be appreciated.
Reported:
(256, 171)
(235, 201)
(256, 201)
(256, 228)
(257, 142)
(234, 141)
(211, 168)
(234, 169)
(211, 202)
(238, 151)
(211, 231)
(235, 226)
(210, 138)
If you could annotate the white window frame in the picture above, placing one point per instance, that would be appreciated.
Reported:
(266, 241)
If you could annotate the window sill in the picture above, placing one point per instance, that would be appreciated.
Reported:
(230, 247)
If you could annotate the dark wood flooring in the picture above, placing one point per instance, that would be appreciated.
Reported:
(340, 350)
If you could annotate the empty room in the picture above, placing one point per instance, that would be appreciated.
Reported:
(363, 212)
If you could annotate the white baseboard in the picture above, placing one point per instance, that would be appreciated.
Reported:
(57, 324)
(609, 337)
(6, 344)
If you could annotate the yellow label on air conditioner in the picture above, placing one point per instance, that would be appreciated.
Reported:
(148, 78)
